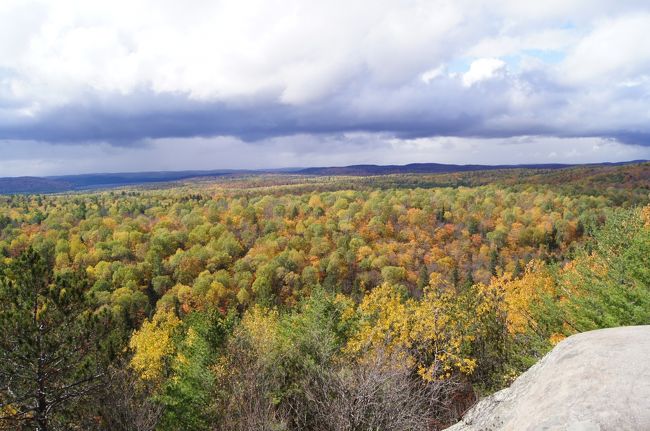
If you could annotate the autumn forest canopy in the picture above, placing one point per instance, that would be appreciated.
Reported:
(299, 302)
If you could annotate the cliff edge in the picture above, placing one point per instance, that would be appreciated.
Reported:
(594, 381)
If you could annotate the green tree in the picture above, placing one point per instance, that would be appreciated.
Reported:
(51, 344)
(608, 284)
(186, 395)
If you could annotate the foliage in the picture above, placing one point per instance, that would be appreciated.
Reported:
(608, 284)
(327, 303)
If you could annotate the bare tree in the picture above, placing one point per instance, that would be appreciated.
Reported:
(243, 393)
(380, 393)
(126, 402)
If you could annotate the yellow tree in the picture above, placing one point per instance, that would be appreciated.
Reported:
(432, 333)
(153, 345)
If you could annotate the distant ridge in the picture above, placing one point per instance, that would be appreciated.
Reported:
(33, 185)
(437, 168)
(63, 183)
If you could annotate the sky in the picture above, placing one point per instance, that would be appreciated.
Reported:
(140, 85)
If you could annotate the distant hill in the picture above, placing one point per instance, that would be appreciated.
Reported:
(33, 185)
(433, 168)
(91, 181)
(55, 184)
(116, 179)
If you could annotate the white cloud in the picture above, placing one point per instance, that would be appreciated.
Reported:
(432, 74)
(483, 69)
(297, 50)
(293, 51)
(617, 49)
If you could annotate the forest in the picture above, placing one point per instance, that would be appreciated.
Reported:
(296, 302)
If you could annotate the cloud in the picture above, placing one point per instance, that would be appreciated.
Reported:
(482, 69)
(612, 53)
(432, 74)
(294, 50)
(127, 73)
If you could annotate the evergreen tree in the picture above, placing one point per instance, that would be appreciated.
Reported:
(50, 344)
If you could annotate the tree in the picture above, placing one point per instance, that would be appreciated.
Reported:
(186, 394)
(51, 343)
(126, 402)
(379, 393)
(608, 283)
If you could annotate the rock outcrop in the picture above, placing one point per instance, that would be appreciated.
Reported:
(594, 381)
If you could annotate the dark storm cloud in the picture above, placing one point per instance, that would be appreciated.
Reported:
(641, 138)
(175, 116)
(443, 107)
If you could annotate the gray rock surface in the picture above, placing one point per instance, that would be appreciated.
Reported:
(594, 381)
